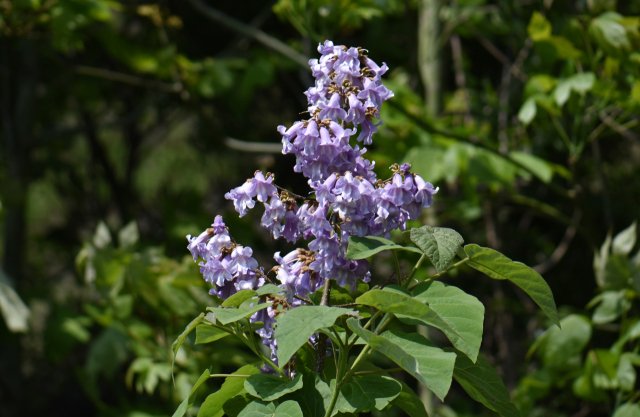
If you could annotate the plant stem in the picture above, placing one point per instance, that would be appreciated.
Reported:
(321, 349)
(344, 355)
(379, 371)
(395, 260)
(457, 264)
(414, 270)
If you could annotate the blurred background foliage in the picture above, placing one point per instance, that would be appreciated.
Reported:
(125, 122)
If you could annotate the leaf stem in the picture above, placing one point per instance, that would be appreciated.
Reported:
(457, 264)
(379, 371)
(395, 260)
(414, 270)
(344, 356)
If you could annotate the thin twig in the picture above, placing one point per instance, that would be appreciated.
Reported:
(378, 371)
(128, 79)
(561, 250)
(306, 300)
(259, 147)
(250, 31)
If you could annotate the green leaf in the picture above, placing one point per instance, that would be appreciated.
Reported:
(128, 235)
(539, 167)
(238, 298)
(609, 34)
(314, 397)
(539, 27)
(528, 111)
(613, 304)
(463, 312)
(14, 310)
(438, 243)
(410, 403)
(498, 266)
(270, 387)
(415, 354)
(367, 393)
(231, 315)
(582, 82)
(269, 289)
(559, 345)
(363, 247)
(207, 334)
(260, 409)
(298, 324)
(624, 241)
(212, 406)
(234, 406)
(188, 402)
(484, 385)
(180, 340)
(626, 373)
(391, 301)
(627, 410)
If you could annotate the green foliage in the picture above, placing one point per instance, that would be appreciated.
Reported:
(297, 326)
(568, 354)
(440, 244)
(498, 266)
(270, 387)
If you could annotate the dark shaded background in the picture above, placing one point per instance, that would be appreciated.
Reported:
(121, 112)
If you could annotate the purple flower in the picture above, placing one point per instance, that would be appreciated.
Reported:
(332, 109)
(262, 187)
(374, 93)
(347, 187)
(242, 257)
(425, 192)
(356, 110)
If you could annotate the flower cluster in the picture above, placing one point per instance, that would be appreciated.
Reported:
(346, 197)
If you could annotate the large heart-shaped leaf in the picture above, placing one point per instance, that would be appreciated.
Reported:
(463, 312)
(298, 324)
(367, 393)
(415, 354)
(393, 301)
(261, 409)
(315, 395)
(498, 266)
(410, 402)
(438, 243)
(212, 406)
(484, 385)
(270, 387)
(363, 247)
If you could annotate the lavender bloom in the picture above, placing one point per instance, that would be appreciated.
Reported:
(332, 109)
(349, 199)
(425, 191)
(262, 187)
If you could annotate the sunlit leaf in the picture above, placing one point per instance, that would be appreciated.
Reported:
(271, 387)
(438, 243)
(298, 324)
(363, 247)
(498, 266)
